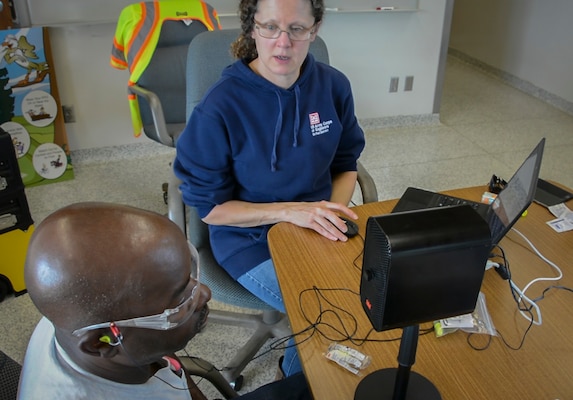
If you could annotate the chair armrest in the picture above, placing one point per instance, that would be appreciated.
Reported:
(198, 367)
(175, 205)
(367, 185)
(156, 113)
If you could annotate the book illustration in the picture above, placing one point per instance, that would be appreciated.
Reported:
(21, 52)
(20, 137)
(50, 160)
(39, 108)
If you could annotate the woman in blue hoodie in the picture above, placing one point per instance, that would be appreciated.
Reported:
(276, 139)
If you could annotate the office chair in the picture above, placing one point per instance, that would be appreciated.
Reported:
(161, 88)
(209, 53)
(151, 41)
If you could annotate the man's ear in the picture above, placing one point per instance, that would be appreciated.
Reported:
(97, 343)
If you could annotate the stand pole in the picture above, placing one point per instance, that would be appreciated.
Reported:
(407, 385)
(406, 358)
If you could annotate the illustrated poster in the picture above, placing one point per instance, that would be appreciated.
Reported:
(30, 107)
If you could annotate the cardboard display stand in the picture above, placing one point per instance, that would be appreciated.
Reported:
(30, 109)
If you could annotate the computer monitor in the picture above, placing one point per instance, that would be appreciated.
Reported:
(420, 266)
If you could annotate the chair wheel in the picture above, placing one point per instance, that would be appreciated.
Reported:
(238, 383)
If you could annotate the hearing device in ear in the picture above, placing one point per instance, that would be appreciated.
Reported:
(106, 339)
(116, 333)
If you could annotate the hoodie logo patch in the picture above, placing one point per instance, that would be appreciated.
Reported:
(314, 118)
(317, 127)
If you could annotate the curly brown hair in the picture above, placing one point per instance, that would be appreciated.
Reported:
(244, 47)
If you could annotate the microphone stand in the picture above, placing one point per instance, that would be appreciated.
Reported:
(399, 383)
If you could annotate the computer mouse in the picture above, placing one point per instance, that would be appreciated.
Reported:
(352, 227)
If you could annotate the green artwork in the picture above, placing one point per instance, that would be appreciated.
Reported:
(30, 110)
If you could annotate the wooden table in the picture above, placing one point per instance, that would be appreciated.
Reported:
(541, 369)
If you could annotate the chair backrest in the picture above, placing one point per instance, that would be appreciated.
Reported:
(165, 76)
(209, 53)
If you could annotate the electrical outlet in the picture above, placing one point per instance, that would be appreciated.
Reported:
(69, 115)
(408, 84)
(394, 84)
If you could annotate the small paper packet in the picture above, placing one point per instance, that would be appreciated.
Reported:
(348, 358)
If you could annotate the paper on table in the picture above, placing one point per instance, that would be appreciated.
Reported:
(564, 220)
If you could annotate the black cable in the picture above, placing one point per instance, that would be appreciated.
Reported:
(556, 287)
(521, 305)
(346, 333)
(468, 340)
(343, 332)
(140, 367)
(360, 253)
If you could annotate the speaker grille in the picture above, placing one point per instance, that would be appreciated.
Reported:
(375, 273)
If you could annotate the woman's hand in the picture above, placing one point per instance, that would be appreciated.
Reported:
(320, 216)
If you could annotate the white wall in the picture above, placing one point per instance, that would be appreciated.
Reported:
(369, 47)
(372, 48)
(530, 39)
(87, 82)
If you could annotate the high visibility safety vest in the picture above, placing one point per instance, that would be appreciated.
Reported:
(137, 34)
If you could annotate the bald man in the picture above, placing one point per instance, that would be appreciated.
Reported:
(94, 270)
(114, 285)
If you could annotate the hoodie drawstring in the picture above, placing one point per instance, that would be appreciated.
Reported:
(279, 124)
(276, 134)
(296, 116)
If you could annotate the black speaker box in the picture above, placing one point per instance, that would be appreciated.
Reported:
(14, 210)
(423, 265)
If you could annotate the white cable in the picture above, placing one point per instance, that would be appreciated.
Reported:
(522, 292)
(551, 263)
(522, 296)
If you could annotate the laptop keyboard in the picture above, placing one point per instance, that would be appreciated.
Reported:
(444, 201)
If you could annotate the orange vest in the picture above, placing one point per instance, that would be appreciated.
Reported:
(137, 33)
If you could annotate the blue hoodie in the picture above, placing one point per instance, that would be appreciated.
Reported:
(251, 140)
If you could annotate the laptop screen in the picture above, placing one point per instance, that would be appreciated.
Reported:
(517, 195)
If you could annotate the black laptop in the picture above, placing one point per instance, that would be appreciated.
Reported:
(502, 213)
(547, 194)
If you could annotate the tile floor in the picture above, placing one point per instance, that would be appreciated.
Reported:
(486, 127)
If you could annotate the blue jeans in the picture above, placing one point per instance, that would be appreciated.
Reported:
(262, 282)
